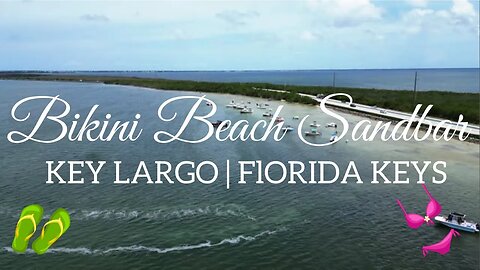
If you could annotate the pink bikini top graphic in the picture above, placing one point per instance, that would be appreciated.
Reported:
(414, 221)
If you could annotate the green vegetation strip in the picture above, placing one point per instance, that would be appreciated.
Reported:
(447, 105)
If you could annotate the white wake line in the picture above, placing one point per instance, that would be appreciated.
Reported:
(159, 214)
(140, 248)
(114, 214)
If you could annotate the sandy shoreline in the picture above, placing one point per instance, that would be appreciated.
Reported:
(470, 139)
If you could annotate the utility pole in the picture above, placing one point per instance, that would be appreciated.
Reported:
(333, 79)
(415, 91)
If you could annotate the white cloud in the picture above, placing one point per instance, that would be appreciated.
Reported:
(416, 19)
(463, 12)
(346, 13)
(463, 8)
(460, 16)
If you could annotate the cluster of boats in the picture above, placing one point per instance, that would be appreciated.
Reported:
(246, 108)
(314, 130)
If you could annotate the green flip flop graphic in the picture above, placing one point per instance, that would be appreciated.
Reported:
(26, 226)
(52, 230)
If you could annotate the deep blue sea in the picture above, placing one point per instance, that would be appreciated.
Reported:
(455, 80)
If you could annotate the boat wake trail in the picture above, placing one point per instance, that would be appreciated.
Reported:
(218, 210)
(144, 249)
(111, 214)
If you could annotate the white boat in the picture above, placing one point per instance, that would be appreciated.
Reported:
(457, 221)
(239, 106)
(246, 110)
(334, 137)
(287, 128)
(260, 106)
(231, 104)
(208, 103)
(279, 119)
(268, 114)
(313, 132)
(333, 125)
(314, 124)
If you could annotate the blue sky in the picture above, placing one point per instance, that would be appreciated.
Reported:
(237, 35)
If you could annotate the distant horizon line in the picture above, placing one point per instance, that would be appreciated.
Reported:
(221, 70)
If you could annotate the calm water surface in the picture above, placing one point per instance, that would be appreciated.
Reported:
(207, 226)
(447, 79)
